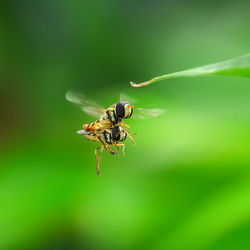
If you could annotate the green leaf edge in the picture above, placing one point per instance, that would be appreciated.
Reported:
(239, 66)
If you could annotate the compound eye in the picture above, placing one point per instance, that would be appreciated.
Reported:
(120, 110)
(116, 133)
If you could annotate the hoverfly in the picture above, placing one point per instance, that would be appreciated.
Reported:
(109, 128)
(108, 137)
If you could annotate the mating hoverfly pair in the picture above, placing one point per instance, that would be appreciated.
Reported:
(109, 128)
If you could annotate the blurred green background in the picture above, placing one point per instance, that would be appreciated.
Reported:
(186, 183)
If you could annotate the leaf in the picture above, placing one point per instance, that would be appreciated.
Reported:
(239, 66)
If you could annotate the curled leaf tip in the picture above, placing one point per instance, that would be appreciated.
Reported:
(139, 84)
(133, 84)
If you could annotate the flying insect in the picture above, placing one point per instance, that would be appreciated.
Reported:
(107, 117)
(109, 128)
(109, 138)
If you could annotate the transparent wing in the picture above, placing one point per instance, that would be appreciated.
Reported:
(147, 113)
(126, 98)
(86, 104)
(141, 113)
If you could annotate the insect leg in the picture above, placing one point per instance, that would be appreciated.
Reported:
(124, 124)
(106, 146)
(123, 147)
(130, 137)
(104, 143)
(110, 150)
(98, 158)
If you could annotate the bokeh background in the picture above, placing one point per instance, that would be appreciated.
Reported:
(186, 183)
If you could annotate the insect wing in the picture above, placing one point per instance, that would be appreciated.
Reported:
(82, 132)
(86, 104)
(142, 113)
(124, 97)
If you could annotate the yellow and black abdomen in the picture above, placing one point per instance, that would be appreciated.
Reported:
(104, 136)
(98, 125)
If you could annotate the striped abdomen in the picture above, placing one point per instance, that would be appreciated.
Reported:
(104, 137)
(107, 120)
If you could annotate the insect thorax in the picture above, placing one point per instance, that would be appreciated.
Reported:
(110, 115)
(107, 136)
